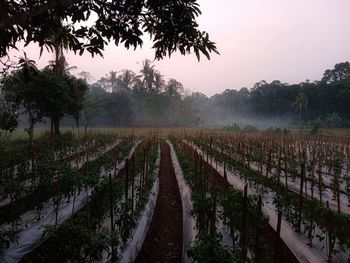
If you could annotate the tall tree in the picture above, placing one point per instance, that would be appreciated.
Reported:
(148, 74)
(78, 88)
(174, 88)
(126, 79)
(20, 91)
(58, 41)
(103, 83)
(86, 76)
(8, 116)
(112, 79)
(28, 66)
(159, 82)
(300, 103)
(338, 73)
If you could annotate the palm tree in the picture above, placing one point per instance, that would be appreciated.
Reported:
(58, 42)
(300, 104)
(63, 69)
(28, 69)
(112, 78)
(126, 79)
(148, 73)
(159, 82)
(28, 66)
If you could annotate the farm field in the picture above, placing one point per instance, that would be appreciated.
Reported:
(175, 195)
(180, 131)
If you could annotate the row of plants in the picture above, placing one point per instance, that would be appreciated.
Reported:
(305, 215)
(51, 179)
(21, 166)
(18, 150)
(50, 193)
(15, 167)
(326, 161)
(216, 203)
(285, 158)
(102, 227)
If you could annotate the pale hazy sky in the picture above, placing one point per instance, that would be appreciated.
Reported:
(288, 40)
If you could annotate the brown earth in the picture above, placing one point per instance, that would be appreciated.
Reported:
(164, 239)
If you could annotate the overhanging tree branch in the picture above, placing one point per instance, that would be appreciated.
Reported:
(171, 24)
(22, 18)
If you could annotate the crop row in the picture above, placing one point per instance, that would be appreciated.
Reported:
(230, 224)
(101, 228)
(319, 225)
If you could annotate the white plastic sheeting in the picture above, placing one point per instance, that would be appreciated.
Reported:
(342, 253)
(138, 234)
(30, 237)
(327, 195)
(77, 163)
(295, 242)
(189, 223)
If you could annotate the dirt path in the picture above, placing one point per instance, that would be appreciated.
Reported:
(163, 242)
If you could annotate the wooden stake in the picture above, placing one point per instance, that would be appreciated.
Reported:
(244, 224)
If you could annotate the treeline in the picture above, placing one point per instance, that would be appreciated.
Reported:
(325, 100)
(146, 98)
(127, 99)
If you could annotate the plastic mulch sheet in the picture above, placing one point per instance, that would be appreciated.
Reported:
(189, 223)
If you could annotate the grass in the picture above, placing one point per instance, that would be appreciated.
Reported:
(21, 134)
(324, 131)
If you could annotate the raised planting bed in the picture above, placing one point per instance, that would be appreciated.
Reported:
(324, 231)
(100, 228)
(231, 226)
(63, 206)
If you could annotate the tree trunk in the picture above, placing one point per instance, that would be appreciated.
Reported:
(277, 238)
(56, 124)
(244, 225)
(31, 130)
(77, 124)
(51, 124)
(111, 215)
(257, 234)
(301, 195)
(300, 118)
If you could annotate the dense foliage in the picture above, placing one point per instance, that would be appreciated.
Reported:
(171, 24)
(126, 98)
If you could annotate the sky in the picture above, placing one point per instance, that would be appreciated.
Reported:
(287, 40)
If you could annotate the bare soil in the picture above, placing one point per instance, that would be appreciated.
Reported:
(164, 240)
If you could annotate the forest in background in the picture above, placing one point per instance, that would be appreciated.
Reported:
(126, 98)
(146, 98)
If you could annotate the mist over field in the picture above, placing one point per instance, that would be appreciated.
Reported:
(148, 99)
(125, 99)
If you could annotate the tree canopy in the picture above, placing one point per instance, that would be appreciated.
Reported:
(43, 93)
(171, 25)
